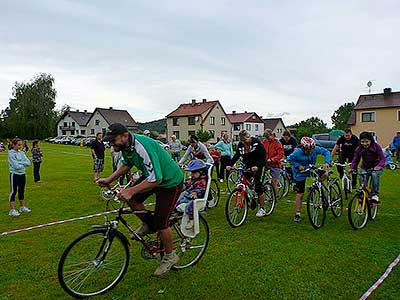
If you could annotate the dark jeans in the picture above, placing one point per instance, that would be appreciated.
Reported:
(36, 170)
(217, 167)
(225, 161)
(176, 156)
(342, 160)
(375, 178)
(397, 154)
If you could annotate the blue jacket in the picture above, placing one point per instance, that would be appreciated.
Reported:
(299, 158)
(17, 161)
(396, 141)
(225, 148)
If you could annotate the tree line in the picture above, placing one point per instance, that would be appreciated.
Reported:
(31, 113)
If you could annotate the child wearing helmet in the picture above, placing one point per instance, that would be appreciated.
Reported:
(300, 159)
(195, 187)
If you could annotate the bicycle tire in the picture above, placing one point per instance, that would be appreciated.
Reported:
(214, 194)
(233, 180)
(93, 262)
(336, 204)
(315, 208)
(270, 199)
(286, 186)
(356, 221)
(236, 207)
(180, 239)
(373, 211)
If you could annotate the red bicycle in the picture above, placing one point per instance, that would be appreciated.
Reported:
(243, 195)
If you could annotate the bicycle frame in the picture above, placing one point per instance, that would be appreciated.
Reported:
(244, 185)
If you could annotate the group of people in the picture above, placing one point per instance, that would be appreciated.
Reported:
(18, 162)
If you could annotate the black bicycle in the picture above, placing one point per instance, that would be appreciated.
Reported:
(96, 261)
(323, 194)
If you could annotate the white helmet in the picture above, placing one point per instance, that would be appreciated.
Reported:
(146, 132)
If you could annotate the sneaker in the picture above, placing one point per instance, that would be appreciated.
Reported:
(375, 198)
(143, 230)
(221, 180)
(261, 212)
(189, 225)
(167, 262)
(13, 213)
(24, 209)
(297, 218)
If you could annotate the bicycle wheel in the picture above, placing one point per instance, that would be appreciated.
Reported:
(315, 208)
(236, 208)
(93, 263)
(373, 211)
(214, 194)
(233, 180)
(336, 199)
(190, 250)
(358, 211)
(270, 198)
(284, 185)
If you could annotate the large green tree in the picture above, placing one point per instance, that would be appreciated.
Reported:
(342, 115)
(310, 126)
(31, 112)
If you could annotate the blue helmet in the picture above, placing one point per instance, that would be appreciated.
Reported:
(196, 165)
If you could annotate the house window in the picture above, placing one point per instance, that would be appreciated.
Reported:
(235, 137)
(398, 115)
(191, 132)
(212, 133)
(256, 125)
(236, 127)
(77, 132)
(175, 121)
(64, 132)
(176, 133)
(248, 126)
(91, 131)
(83, 131)
(65, 124)
(212, 120)
(73, 124)
(191, 120)
(222, 120)
(279, 130)
(368, 117)
(97, 122)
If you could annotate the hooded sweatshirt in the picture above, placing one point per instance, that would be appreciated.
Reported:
(371, 157)
(17, 161)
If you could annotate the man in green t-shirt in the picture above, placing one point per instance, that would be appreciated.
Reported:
(162, 177)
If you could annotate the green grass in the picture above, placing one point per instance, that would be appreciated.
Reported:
(268, 258)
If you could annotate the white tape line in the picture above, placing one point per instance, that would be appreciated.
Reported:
(64, 221)
(381, 279)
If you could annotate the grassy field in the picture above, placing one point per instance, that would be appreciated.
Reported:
(267, 258)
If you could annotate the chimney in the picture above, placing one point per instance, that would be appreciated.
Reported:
(85, 111)
(245, 111)
(387, 92)
(234, 111)
(77, 110)
(193, 101)
(204, 100)
(110, 107)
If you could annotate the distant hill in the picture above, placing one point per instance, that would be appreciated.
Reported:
(157, 125)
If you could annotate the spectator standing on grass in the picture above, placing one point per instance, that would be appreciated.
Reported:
(396, 145)
(116, 157)
(26, 147)
(175, 147)
(98, 150)
(288, 142)
(37, 155)
(17, 161)
(9, 144)
(225, 147)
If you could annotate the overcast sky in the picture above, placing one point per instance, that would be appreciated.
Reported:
(294, 59)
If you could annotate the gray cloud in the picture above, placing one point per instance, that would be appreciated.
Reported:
(305, 58)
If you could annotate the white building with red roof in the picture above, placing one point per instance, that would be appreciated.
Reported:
(249, 121)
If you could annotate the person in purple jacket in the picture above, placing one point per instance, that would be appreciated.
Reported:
(373, 161)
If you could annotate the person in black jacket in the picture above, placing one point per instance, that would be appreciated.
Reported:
(253, 154)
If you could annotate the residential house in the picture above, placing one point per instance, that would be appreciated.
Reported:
(101, 118)
(73, 123)
(276, 125)
(247, 120)
(379, 113)
(190, 117)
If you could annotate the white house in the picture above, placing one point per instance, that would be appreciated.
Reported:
(73, 123)
(276, 125)
(249, 121)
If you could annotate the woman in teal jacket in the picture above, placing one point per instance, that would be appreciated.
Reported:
(17, 161)
(300, 159)
(225, 147)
